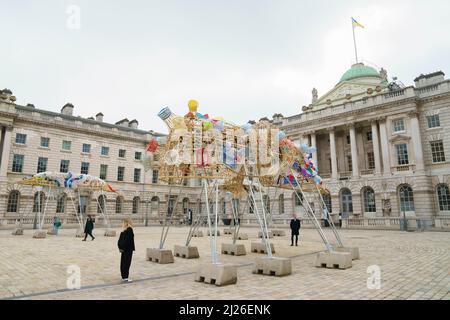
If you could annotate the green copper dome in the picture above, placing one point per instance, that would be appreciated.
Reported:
(359, 70)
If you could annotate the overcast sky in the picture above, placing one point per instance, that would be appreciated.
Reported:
(242, 60)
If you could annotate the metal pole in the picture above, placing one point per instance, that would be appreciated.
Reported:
(354, 42)
(205, 185)
(333, 227)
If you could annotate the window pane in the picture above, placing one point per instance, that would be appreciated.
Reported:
(66, 145)
(13, 202)
(406, 199)
(369, 200)
(86, 148)
(42, 164)
(402, 154)
(155, 176)
(64, 166)
(399, 125)
(105, 151)
(21, 138)
(85, 168)
(433, 121)
(122, 153)
(443, 197)
(120, 173)
(103, 171)
(138, 155)
(45, 142)
(137, 175)
(437, 151)
(17, 165)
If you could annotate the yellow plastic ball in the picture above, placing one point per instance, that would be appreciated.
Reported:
(193, 105)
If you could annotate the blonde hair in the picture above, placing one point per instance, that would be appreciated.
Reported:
(127, 223)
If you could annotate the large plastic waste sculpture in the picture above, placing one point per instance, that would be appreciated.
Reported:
(73, 184)
(235, 159)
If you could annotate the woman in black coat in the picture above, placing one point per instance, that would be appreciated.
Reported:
(126, 248)
(88, 228)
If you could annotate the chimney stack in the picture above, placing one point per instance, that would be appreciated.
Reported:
(67, 109)
(123, 123)
(99, 117)
(134, 124)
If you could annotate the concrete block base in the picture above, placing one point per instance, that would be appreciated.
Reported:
(79, 234)
(197, 234)
(186, 252)
(334, 260)
(269, 234)
(242, 236)
(110, 233)
(213, 233)
(227, 231)
(217, 274)
(51, 232)
(17, 232)
(233, 249)
(40, 234)
(273, 266)
(354, 251)
(258, 247)
(161, 256)
(279, 233)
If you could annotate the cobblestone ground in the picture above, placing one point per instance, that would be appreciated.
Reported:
(413, 266)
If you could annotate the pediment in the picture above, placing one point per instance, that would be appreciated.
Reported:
(400, 138)
(345, 88)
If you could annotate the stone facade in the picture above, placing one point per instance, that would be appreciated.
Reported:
(375, 140)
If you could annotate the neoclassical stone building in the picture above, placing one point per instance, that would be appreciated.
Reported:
(34, 140)
(383, 148)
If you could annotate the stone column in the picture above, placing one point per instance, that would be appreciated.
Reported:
(5, 153)
(385, 146)
(417, 141)
(355, 166)
(334, 169)
(314, 144)
(376, 147)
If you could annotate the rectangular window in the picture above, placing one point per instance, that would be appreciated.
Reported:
(85, 168)
(103, 171)
(155, 176)
(398, 125)
(42, 164)
(137, 175)
(122, 153)
(369, 136)
(138, 155)
(402, 154)
(64, 166)
(21, 138)
(105, 151)
(437, 151)
(371, 160)
(45, 142)
(120, 173)
(433, 121)
(17, 165)
(348, 139)
(350, 164)
(66, 145)
(86, 148)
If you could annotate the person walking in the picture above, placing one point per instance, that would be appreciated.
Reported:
(88, 228)
(126, 248)
(56, 225)
(295, 230)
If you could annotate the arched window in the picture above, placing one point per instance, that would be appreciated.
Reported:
(136, 202)
(346, 202)
(327, 200)
(61, 203)
(13, 201)
(281, 203)
(369, 200)
(406, 196)
(38, 203)
(443, 194)
(266, 201)
(101, 205)
(155, 206)
(119, 204)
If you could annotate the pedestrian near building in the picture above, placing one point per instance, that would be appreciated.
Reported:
(126, 248)
(295, 230)
(56, 225)
(89, 228)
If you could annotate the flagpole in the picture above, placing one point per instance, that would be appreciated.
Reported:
(354, 42)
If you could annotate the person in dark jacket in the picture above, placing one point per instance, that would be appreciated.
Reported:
(88, 228)
(126, 248)
(295, 228)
